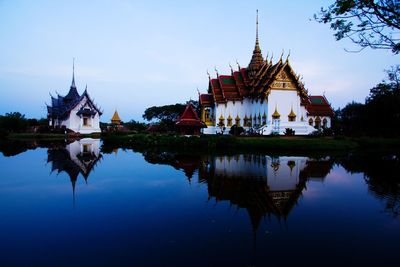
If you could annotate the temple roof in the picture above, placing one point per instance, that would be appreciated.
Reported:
(241, 84)
(189, 117)
(319, 106)
(62, 105)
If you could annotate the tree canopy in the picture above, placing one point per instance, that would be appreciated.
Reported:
(379, 116)
(368, 23)
(166, 113)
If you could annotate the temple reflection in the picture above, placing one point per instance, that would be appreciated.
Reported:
(79, 157)
(262, 185)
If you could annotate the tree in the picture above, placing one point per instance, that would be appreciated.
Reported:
(368, 23)
(13, 122)
(379, 116)
(133, 125)
(167, 115)
(383, 103)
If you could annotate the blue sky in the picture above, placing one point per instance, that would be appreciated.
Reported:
(136, 54)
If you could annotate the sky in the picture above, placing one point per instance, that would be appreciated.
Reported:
(137, 54)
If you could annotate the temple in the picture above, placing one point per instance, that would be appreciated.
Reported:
(77, 113)
(264, 97)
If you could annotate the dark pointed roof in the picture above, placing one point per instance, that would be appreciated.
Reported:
(62, 105)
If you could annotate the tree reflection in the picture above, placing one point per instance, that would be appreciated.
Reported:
(381, 173)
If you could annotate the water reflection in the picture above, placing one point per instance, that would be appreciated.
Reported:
(261, 184)
(381, 174)
(277, 180)
(79, 157)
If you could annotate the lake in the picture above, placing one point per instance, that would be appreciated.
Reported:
(81, 204)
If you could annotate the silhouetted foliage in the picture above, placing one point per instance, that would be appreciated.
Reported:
(167, 115)
(379, 116)
(289, 131)
(133, 125)
(367, 23)
(13, 122)
(236, 130)
(381, 176)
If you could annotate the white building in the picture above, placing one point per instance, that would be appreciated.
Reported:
(75, 112)
(266, 97)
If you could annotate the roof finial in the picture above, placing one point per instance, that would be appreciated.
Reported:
(216, 71)
(230, 66)
(287, 59)
(209, 76)
(283, 51)
(73, 73)
(237, 63)
(257, 29)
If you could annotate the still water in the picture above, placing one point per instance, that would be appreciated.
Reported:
(79, 204)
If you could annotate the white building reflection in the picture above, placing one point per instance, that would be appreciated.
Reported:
(261, 184)
(78, 157)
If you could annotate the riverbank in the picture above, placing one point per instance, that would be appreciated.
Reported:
(217, 143)
(264, 143)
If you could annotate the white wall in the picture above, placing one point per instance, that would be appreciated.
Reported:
(75, 122)
(241, 108)
(284, 100)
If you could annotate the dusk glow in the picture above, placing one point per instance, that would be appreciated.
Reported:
(133, 55)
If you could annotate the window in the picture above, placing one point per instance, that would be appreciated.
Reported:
(207, 115)
(311, 122)
(86, 122)
(86, 148)
(324, 123)
(318, 122)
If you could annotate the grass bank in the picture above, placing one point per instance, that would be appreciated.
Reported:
(218, 143)
(231, 143)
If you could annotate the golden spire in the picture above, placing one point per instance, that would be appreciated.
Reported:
(276, 114)
(292, 114)
(257, 59)
(115, 118)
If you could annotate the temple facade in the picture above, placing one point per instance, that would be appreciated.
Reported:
(264, 97)
(75, 112)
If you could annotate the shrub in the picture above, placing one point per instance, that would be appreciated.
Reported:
(236, 130)
(289, 131)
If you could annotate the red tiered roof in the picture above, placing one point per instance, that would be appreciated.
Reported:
(189, 118)
(319, 106)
